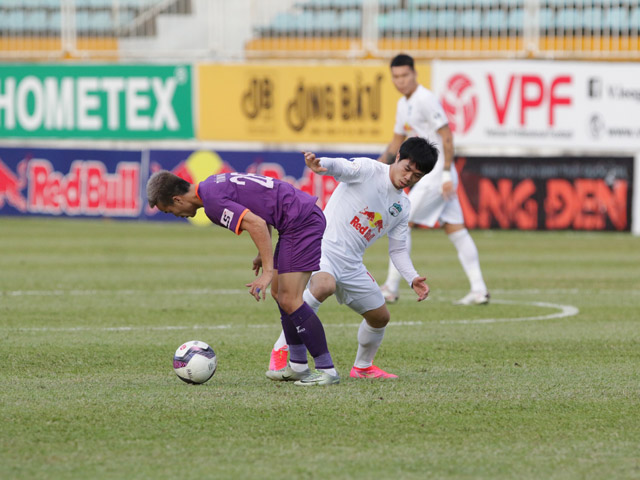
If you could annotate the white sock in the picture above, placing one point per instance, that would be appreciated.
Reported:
(331, 371)
(298, 367)
(369, 340)
(393, 275)
(312, 301)
(468, 255)
(281, 342)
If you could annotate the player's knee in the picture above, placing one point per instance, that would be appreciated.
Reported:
(289, 303)
(379, 318)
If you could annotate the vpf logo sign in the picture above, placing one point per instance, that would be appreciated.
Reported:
(460, 103)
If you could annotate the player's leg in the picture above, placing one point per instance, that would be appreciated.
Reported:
(360, 292)
(280, 352)
(470, 261)
(370, 336)
(321, 286)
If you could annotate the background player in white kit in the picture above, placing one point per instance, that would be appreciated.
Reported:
(419, 113)
(368, 203)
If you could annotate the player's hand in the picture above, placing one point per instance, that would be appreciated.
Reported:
(313, 163)
(257, 264)
(258, 288)
(447, 185)
(447, 190)
(421, 288)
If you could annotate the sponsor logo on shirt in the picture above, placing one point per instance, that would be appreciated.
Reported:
(371, 224)
(395, 209)
(226, 218)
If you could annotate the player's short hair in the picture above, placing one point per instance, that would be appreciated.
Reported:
(162, 186)
(421, 152)
(403, 60)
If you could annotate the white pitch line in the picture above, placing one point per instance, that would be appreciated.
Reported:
(213, 291)
(564, 311)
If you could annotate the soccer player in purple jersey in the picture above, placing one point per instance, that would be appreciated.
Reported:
(245, 201)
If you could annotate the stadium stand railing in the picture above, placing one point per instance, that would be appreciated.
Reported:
(594, 29)
(98, 29)
(55, 29)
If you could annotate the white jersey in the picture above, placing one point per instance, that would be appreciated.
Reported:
(364, 207)
(422, 115)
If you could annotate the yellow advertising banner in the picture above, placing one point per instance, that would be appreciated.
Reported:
(298, 103)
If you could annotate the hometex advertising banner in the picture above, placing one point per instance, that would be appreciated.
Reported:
(298, 103)
(98, 102)
(572, 105)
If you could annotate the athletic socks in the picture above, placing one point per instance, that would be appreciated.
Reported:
(369, 340)
(310, 300)
(469, 258)
(310, 330)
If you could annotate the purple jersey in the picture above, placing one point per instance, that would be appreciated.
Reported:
(227, 197)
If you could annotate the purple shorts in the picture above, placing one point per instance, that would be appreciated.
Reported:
(299, 249)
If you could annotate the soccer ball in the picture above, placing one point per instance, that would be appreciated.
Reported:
(195, 362)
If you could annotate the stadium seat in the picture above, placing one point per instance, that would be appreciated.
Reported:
(15, 20)
(350, 21)
(515, 20)
(35, 21)
(325, 21)
(396, 21)
(423, 21)
(446, 20)
(592, 19)
(566, 20)
(495, 20)
(617, 20)
(469, 20)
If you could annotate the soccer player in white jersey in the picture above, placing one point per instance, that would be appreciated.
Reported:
(368, 203)
(419, 113)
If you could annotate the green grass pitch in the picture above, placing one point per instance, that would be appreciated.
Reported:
(543, 383)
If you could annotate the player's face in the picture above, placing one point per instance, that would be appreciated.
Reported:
(404, 174)
(405, 79)
(179, 208)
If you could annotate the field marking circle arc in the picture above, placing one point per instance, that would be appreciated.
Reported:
(563, 311)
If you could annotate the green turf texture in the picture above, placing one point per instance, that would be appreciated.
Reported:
(91, 313)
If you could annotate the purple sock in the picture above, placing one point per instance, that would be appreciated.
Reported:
(309, 328)
(297, 350)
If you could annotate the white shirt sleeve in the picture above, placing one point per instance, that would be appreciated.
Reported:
(399, 254)
(348, 171)
(434, 113)
(400, 119)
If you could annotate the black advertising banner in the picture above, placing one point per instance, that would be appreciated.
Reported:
(550, 193)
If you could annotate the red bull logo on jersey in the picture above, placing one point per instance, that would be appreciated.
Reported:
(370, 225)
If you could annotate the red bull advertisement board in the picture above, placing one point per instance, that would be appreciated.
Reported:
(111, 183)
(74, 183)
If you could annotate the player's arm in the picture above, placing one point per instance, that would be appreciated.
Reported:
(389, 155)
(399, 254)
(447, 147)
(343, 170)
(261, 236)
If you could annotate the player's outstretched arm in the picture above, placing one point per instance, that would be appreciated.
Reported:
(259, 232)
(421, 288)
(313, 162)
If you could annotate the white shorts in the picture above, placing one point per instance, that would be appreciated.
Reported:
(355, 286)
(429, 206)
